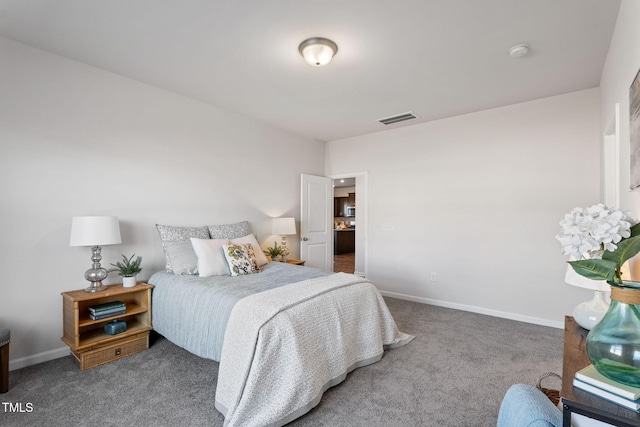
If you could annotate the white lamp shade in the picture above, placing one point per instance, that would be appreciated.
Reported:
(283, 226)
(575, 279)
(95, 231)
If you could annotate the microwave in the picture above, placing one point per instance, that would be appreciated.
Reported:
(351, 211)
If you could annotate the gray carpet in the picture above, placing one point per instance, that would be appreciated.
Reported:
(453, 374)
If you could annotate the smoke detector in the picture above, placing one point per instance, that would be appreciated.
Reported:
(519, 50)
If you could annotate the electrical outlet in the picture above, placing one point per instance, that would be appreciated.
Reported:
(433, 277)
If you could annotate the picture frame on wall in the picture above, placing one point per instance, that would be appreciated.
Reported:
(634, 132)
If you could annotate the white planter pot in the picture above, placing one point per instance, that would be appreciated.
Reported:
(129, 282)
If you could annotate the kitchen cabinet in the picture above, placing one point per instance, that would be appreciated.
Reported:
(344, 241)
(340, 206)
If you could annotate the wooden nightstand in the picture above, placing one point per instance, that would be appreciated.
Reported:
(90, 346)
(296, 261)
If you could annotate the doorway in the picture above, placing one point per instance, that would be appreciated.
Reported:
(349, 223)
(317, 222)
(344, 225)
(611, 160)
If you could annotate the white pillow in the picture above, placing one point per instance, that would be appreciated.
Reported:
(250, 239)
(211, 259)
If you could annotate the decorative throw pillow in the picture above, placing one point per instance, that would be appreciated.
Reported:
(170, 233)
(241, 259)
(211, 259)
(181, 257)
(229, 231)
(250, 239)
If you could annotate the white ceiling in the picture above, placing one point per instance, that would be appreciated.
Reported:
(344, 182)
(436, 58)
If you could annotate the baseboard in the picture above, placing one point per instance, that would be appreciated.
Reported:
(34, 359)
(476, 309)
(359, 273)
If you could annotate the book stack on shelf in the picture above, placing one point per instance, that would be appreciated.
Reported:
(589, 379)
(108, 309)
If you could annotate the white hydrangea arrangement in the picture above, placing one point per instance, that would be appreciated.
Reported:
(601, 239)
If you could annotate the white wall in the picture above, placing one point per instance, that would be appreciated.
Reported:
(621, 67)
(76, 140)
(476, 199)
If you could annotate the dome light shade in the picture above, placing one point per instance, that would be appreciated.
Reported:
(318, 51)
(519, 50)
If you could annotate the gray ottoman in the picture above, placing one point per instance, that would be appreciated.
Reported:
(5, 337)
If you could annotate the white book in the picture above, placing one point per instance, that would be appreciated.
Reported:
(591, 376)
(634, 405)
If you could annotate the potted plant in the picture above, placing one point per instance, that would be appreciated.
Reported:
(128, 268)
(274, 252)
(601, 240)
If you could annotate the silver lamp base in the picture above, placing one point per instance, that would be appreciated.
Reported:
(96, 287)
(96, 274)
(285, 253)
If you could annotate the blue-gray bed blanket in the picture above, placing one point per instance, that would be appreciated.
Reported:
(192, 311)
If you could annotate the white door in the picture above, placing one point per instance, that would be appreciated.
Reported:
(316, 222)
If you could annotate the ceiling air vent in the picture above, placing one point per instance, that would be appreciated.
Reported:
(399, 118)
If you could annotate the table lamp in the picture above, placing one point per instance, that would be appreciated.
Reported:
(95, 231)
(284, 227)
(587, 314)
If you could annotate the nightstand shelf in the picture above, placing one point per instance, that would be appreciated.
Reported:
(90, 345)
(296, 261)
(131, 311)
(96, 336)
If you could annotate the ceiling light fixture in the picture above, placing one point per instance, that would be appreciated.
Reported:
(317, 51)
(519, 50)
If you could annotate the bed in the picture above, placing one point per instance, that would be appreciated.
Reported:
(193, 311)
(282, 336)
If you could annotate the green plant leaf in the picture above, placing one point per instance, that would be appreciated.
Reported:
(274, 251)
(127, 267)
(627, 248)
(596, 269)
(635, 230)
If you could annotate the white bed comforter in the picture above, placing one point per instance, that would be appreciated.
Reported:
(284, 347)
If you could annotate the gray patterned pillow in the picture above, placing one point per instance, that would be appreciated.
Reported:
(185, 257)
(229, 231)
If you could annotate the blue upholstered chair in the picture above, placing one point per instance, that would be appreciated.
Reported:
(5, 337)
(526, 406)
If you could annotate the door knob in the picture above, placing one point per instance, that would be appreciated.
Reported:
(304, 239)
